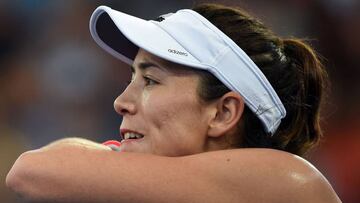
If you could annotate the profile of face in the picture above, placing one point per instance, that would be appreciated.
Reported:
(162, 112)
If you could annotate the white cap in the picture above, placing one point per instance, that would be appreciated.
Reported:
(188, 38)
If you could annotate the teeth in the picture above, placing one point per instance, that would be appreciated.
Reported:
(132, 136)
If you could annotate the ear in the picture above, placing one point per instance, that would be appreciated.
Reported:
(229, 109)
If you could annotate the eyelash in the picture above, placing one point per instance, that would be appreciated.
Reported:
(149, 81)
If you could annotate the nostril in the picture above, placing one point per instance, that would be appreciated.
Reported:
(124, 111)
(120, 109)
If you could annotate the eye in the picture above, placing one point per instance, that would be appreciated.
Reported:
(149, 81)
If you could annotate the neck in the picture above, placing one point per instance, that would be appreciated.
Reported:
(217, 143)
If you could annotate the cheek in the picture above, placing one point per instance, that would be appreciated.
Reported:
(167, 111)
(175, 116)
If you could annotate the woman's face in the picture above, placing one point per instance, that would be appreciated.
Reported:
(161, 110)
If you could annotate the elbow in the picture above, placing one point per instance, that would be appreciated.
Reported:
(15, 177)
(12, 181)
(19, 179)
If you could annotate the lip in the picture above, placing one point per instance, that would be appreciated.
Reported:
(130, 145)
(124, 130)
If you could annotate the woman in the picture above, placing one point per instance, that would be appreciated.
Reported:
(209, 116)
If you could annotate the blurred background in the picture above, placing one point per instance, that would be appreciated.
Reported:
(56, 82)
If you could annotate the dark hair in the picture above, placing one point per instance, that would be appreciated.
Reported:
(291, 66)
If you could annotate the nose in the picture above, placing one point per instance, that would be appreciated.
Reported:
(124, 103)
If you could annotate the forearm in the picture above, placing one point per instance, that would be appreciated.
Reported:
(65, 171)
(77, 170)
(47, 174)
(75, 142)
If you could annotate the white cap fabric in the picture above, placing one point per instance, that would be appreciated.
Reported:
(188, 38)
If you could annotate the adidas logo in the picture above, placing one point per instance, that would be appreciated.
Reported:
(173, 51)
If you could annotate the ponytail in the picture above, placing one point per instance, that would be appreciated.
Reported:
(304, 123)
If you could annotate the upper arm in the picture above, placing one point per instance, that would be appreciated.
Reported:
(263, 175)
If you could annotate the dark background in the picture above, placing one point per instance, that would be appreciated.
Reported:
(56, 82)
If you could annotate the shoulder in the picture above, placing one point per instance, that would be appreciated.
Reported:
(266, 175)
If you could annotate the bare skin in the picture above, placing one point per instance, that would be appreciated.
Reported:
(183, 156)
(76, 170)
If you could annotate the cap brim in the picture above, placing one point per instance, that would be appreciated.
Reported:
(122, 35)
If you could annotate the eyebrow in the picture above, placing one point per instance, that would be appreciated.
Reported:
(145, 65)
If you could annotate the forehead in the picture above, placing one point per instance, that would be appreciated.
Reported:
(146, 57)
